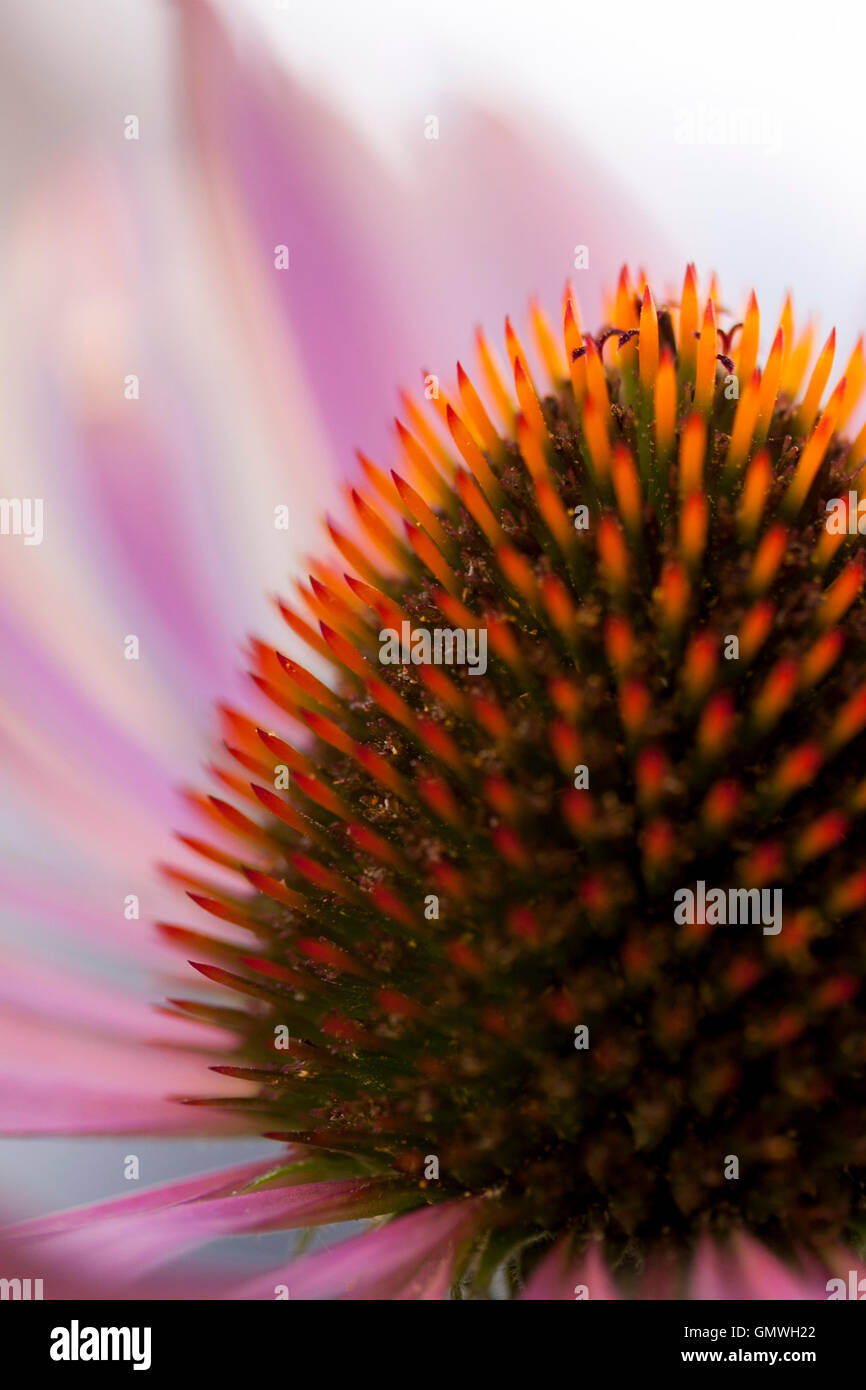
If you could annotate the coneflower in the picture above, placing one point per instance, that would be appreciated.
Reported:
(466, 985)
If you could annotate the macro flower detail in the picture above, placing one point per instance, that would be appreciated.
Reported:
(465, 990)
(449, 947)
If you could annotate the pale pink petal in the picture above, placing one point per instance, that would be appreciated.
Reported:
(35, 1108)
(743, 1268)
(593, 1273)
(433, 1281)
(34, 984)
(387, 1257)
(137, 522)
(59, 1080)
(151, 525)
(711, 1275)
(386, 277)
(215, 1182)
(283, 170)
(76, 907)
(38, 1245)
(765, 1276)
(20, 1260)
(137, 1243)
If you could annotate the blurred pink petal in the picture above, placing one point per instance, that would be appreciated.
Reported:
(385, 278)
(711, 1275)
(744, 1268)
(34, 984)
(141, 1240)
(55, 1080)
(432, 1283)
(559, 1276)
(33, 1107)
(762, 1275)
(154, 1199)
(389, 1257)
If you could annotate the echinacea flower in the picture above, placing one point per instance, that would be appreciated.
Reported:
(593, 649)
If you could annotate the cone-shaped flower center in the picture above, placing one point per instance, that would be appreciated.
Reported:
(558, 895)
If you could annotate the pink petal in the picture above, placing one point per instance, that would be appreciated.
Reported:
(433, 1281)
(65, 904)
(387, 278)
(35, 1108)
(60, 1080)
(35, 985)
(559, 1275)
(549, 1281)
(284, 170)
(711, 1276)
(745, 1269)
(765, 1276)
(136, 516)
(153, 1199)
(386, 1258)
(132, 1245)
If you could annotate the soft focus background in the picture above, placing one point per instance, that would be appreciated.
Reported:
(728, 135)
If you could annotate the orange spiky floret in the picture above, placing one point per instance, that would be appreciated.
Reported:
(466, 866)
